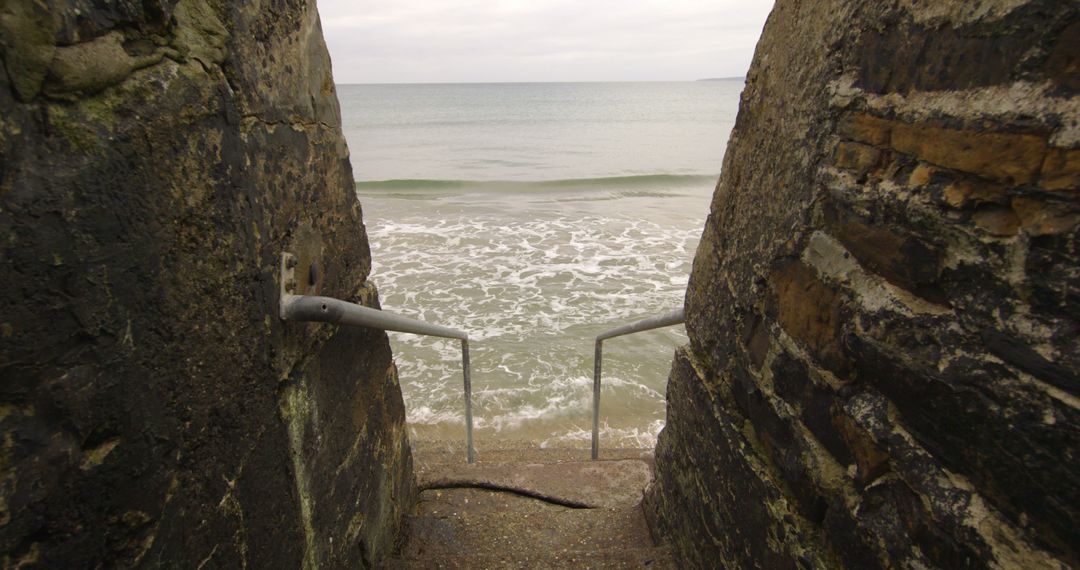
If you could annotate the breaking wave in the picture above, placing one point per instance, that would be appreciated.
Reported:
(647, 181)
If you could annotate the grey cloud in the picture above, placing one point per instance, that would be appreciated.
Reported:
(554, 40)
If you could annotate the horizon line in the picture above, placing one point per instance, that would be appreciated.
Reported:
(704, 79)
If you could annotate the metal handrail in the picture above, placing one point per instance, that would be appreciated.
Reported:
(675, 317)
(311, 308)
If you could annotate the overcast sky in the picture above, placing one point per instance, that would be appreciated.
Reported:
(421, 41)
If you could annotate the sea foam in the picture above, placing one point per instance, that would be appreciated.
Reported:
(532, 286)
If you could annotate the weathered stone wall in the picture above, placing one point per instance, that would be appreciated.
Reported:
(155, 159)
(883, 314)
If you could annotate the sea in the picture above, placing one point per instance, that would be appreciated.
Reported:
(535, 216)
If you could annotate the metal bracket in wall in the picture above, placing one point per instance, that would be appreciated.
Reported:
(288, 281)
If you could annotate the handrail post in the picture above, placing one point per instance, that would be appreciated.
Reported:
(598, 359)
(470, 453)
(675, 317)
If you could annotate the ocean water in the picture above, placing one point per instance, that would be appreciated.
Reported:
(535, 216)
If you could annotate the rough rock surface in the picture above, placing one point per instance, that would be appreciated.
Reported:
(883, 313)
(155, 160)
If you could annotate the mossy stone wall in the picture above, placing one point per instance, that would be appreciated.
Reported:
(155, 160)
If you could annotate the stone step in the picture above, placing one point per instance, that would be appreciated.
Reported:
(476, 528)
(477, 521)
(618, 479)
(530, 508)
(655, 558)
(577, 484)
(428, 453)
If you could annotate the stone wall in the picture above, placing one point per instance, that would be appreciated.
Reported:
(155, 160)
(883, 314)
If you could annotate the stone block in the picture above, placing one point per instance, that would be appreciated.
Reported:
(865, 128)
(871, 462)
(891, 252)
(926, 55)
(857, 157)
(758, 342)
(977, 421)
(1005, 157)
(920, 176)
(1061, 170)
(1042, 217)
(967, 192)
(1063, 64)
(1000, 221)
(1017, 353)
(857, 548)
(1052, 271)
(810, 311)
(782, 444)
(815, 403)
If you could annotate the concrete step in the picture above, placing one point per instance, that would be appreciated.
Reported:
(474, 521)
(657, 558)
(531, 508)
(477, 528)
(427, 453)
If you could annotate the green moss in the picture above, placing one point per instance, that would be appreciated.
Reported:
(26, 40)
(296, 414)
(71, 125)
(356, 524)
(87, 122)
(100, 110)
(199, 32)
